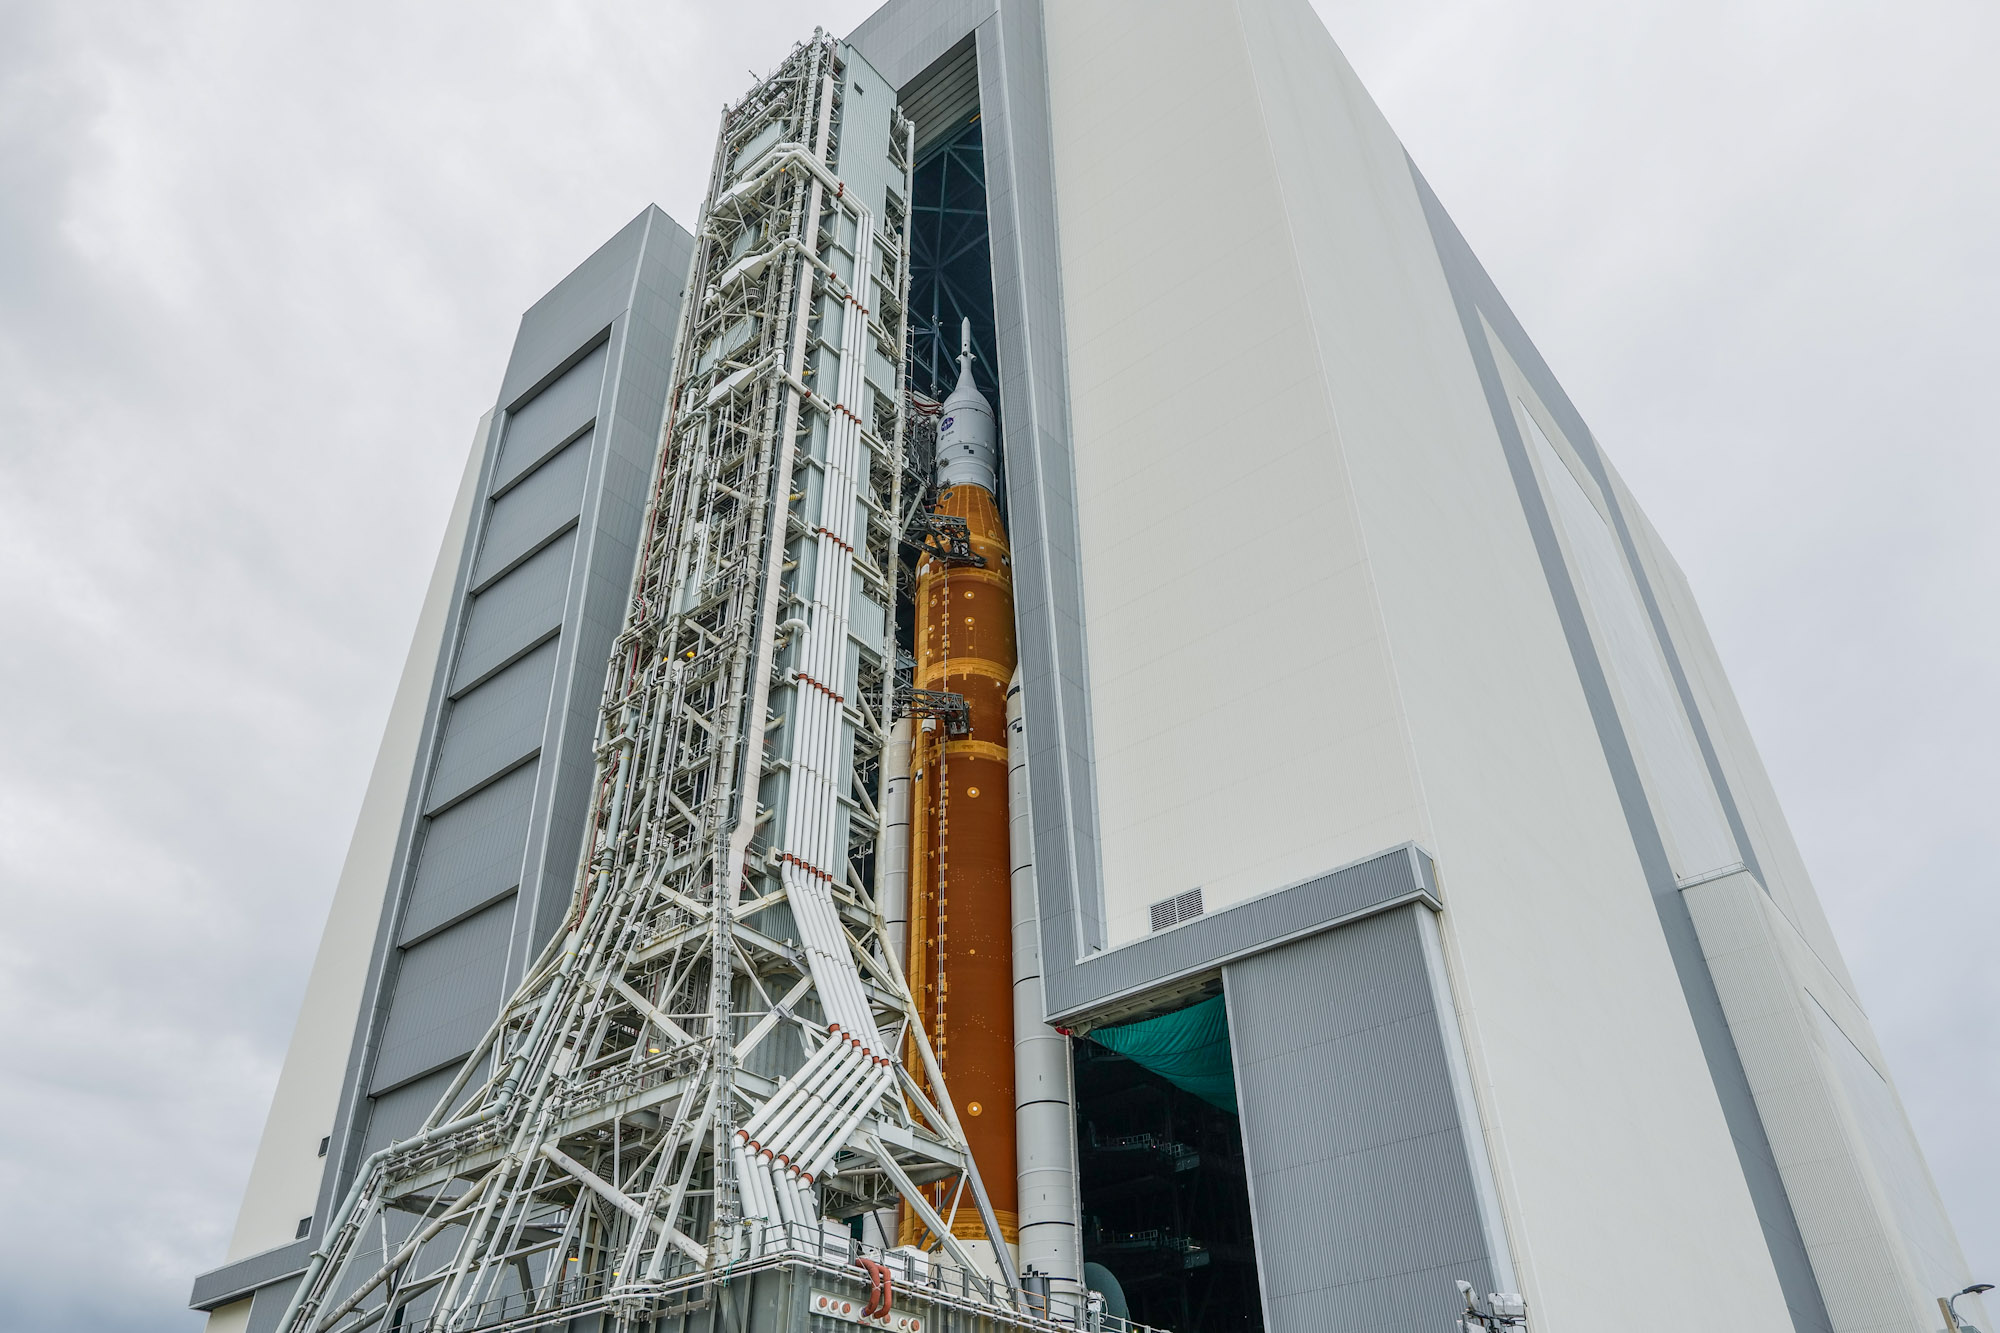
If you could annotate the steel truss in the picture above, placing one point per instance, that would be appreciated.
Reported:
(706, 1069)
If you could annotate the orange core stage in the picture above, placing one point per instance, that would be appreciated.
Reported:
(961, 926)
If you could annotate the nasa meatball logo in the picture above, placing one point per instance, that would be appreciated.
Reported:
(945, 424)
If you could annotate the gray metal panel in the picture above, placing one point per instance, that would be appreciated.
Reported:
(621, 305)
(540, 505)
(520, 610)
(578, 310)
(232, 1282)
(1360, 1191)
(1473, 291)
(397, 1115)
(1034, 384)
(471, 854)
(628, 431)
(1380, 883)
(944, 96)
(555, 415)
(494, 727)
(904, 38)
(447, 992)
(269, 1307)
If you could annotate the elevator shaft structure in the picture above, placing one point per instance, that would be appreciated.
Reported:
(716, 1062)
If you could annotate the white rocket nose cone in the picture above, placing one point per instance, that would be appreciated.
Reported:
(967, 448)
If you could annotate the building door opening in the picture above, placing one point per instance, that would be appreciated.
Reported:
(1166, 1199)
(951, 265)
(951, 281)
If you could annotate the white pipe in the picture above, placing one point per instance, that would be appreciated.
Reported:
(844, 979)
(820, 1155)
(827, 954)
(804, 1204)
(837, 1123)
(807, 1134)
(892, 849)
(787, 1187)
(783, 1138)
(805, 1210)
(750, 1129)
(811, 1108)
(770, 1179)
(1044, 1109)
(781, 155)
(801, 890)
(746, 1185)
(796, 1101)
(813, 798)
(767, 1124)
(786, 1138)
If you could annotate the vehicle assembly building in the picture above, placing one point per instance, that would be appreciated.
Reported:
(1051, 720)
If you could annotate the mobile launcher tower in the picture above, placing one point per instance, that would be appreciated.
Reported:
(1061, 840)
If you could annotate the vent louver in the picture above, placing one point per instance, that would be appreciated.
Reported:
(1181, 907)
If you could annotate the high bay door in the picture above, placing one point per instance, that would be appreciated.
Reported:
(714, 1070)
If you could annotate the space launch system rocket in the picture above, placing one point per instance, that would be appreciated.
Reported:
(960, 914)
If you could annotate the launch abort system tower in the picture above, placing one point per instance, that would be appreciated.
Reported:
(1150, 770)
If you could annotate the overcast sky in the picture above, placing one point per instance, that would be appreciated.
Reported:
(260, 266)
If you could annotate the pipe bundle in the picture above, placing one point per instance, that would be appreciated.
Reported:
(793, 1138)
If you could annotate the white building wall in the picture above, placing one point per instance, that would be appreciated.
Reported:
(1317, 624)
(1782, 866)
(231, 1318)
(1881, 1243)
(1246, 733)
(285, 1176)
(1564, 963)
(1683, 798)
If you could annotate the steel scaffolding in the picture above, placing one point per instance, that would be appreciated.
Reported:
(703, 1077)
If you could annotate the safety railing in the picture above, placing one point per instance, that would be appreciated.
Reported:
(683, 1285)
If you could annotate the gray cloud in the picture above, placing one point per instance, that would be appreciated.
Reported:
(260, 265)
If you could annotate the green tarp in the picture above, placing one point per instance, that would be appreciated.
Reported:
(1189, 1048)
